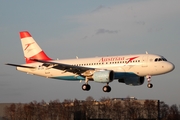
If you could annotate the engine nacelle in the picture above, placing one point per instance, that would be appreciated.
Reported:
(133, 81)
(103, 76)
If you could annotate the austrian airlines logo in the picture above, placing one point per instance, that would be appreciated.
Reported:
(27, 45)
(130, 59)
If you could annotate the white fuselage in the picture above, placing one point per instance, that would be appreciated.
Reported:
(128, 69)
(139, 64)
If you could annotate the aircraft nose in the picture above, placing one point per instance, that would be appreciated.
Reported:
(170, 67)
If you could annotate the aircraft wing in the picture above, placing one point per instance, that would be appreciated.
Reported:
(65, 67)
(19, 65)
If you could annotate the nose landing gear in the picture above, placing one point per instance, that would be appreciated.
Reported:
(149, 85)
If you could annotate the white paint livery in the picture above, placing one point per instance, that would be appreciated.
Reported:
(128, 69)
(30, 47)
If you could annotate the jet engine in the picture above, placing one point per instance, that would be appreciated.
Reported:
(103, 76)
(133, 81)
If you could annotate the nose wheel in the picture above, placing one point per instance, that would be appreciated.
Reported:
(149, 85)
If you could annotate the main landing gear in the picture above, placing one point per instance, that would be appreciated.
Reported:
(106, 88)
(87, 87)
(149, 85)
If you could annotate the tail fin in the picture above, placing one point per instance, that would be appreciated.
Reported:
(31, 49)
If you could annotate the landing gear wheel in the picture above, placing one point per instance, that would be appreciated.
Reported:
(149, 85)
(86, 87)
(106, 88)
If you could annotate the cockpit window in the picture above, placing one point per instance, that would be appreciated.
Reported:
(160, 59)
(156, 60)
(164, 59)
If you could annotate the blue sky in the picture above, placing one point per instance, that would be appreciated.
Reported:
(65, 29)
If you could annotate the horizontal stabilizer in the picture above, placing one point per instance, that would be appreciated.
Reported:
(19, 65)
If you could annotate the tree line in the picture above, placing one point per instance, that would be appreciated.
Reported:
(105, 108)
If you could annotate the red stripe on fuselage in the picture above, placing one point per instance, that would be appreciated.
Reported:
(39, 56)
(130, 59)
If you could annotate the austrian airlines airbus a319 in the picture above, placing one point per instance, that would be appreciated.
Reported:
(128, 69)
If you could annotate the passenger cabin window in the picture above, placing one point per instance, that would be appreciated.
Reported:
(117, 62)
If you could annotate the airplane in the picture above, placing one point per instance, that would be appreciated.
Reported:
(129, 69)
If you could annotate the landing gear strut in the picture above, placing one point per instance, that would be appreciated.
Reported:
(149, 85)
